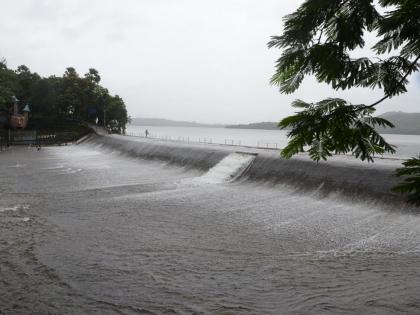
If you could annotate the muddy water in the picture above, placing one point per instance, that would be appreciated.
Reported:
(83, 230)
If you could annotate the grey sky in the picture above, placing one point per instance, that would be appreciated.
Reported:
(196, 60)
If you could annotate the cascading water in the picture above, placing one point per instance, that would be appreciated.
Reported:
(230, 168)
(122, 235)
(345, 176)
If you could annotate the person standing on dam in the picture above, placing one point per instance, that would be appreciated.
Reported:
(147, 133)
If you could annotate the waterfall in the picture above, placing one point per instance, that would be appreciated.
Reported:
(229, 168)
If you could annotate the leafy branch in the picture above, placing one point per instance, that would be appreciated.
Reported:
(334, 127)
(318, 39)
(413, 66)
(411, 184)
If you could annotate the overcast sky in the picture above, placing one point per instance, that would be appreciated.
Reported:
(195, 60)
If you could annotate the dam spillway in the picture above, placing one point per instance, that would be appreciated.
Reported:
(344, 174)
(120, 226)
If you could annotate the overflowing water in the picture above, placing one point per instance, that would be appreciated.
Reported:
(230, 168)
(124, 227)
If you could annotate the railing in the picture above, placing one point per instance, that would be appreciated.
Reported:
(205, 140)
(267, 145)
(26, 137)
(232, 142)
(4, 141)
(187, 139)
(22, 137)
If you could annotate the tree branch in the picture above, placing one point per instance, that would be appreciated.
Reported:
(397, 85)
(326, 20)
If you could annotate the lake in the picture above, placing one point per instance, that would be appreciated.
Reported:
(407, 145)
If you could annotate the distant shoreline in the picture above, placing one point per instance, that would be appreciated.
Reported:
(405, 124)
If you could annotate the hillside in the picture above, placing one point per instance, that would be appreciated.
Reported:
(405, 123)
(169, 123)
(267, 125)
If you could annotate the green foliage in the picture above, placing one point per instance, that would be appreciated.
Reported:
(320, 35)
(116, 114)
(318, 40)
(7, 86)
(67, 97)
(331, 127)
(411, 184)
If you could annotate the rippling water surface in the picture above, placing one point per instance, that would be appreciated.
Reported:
(84, 230)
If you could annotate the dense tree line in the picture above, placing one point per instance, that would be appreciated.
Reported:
(70, 96)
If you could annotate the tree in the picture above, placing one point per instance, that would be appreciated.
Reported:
(45, 98)
(26, 83)
(7, 86)
(93, 93)
(116, 114)
(318, 39)
(93, 76)
(70, 96)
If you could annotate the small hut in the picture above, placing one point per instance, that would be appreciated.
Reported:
(17, 120)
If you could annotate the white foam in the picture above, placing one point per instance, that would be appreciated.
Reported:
(70, 171)
(228, 169)
(17, 165)
(58, 167)
(15, 208)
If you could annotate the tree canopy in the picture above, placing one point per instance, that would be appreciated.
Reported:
(69, 96)
(318, 39)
